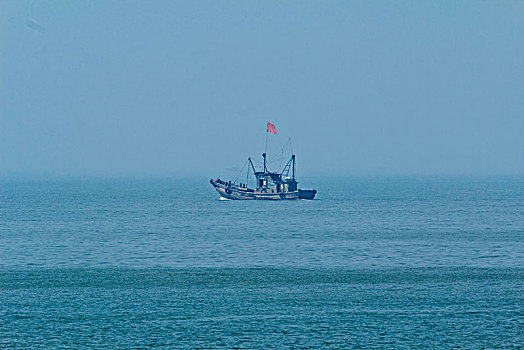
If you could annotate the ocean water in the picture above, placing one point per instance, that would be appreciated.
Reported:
(370, 263)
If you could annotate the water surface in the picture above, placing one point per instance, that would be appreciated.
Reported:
(418, 263)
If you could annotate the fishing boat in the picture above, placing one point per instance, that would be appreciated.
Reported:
(269, 185)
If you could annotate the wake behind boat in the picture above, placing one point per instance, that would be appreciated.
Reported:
(269, 185)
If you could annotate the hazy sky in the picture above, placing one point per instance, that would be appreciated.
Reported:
(168, 88)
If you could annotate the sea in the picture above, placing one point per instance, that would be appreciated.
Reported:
(374, 263)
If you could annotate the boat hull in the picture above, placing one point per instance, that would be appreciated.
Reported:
(276, 196)
(307, 194)
(231, 191)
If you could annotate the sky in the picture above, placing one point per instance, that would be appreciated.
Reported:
(185, 88)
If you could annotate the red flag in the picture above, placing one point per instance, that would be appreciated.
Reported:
(271, 128)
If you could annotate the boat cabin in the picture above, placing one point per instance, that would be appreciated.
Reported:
(273, 183)
(268, 182)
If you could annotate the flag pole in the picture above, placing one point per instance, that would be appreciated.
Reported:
(265, 148)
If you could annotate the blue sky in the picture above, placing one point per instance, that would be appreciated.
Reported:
(177, 88)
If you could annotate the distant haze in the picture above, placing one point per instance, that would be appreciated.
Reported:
(178, 88)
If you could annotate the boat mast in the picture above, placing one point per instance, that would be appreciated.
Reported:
(293, 158)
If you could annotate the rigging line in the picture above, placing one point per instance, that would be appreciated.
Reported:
(283, 152)
(247, 176)
(240, 172)
(276, 165)
(288, 146)
(279, 161)
(276, 159)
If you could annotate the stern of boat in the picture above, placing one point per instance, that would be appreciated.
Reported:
(307, 194)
